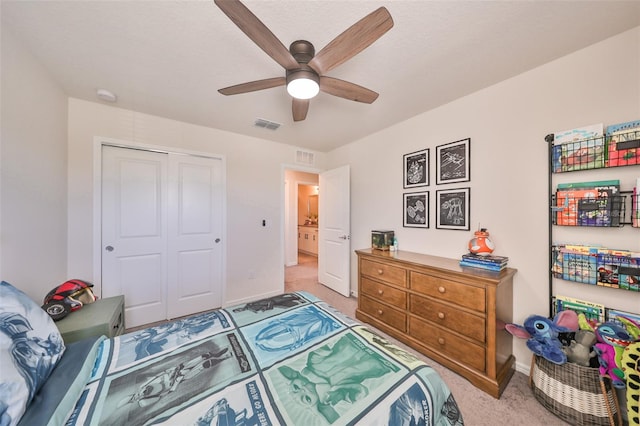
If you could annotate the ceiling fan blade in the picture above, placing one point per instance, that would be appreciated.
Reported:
(258, 32)
(346, 90)
(253, 86)
(352, 41)
(300, 108)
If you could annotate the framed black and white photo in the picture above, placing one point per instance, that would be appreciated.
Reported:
(416, 210)
(452, 208)
(453, 162)
(416, 168)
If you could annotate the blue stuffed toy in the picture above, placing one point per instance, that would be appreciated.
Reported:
(542, 334)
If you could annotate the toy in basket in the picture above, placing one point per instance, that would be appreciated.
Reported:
(575, 393)
(575, 375)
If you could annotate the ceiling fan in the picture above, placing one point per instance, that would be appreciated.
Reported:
(305, 70)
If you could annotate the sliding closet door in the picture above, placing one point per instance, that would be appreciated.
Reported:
(162, 222)
(134, 231)
(195, 234)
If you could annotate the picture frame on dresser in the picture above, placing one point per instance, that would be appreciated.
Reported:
(453, 208)
(416, 210)
(416, 169)
(453, 162)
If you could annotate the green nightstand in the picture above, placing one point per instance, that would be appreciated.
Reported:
(102, 317)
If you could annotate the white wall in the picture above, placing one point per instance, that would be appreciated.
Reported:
(254, 188)
(33, 186)
(507, 124)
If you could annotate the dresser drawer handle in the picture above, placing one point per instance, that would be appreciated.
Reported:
(441, 315)
(380, 312)
(441, 340)
(380, 271)
(441, 289)
(380, 292)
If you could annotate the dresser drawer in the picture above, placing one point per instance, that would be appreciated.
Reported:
(390, 295)
(460, 294)
(384, 272)
(394, 318)
(448, 344)
(470, 325)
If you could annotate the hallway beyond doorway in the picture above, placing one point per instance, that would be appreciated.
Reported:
(304, 277)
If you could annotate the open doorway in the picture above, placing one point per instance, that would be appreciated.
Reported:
(301, 227)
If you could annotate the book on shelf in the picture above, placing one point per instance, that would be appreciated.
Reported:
(568, 261)
(623, 144)
(635, 205)
(578, 134)
(556, 260)
(592, 311)
(579, 149)
(608, 265)
(588, 203)
(488, 267)
(629, 272)
(579, 267)
(613, 314)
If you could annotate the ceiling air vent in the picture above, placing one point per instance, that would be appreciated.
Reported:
(305, 157)
(271, 125)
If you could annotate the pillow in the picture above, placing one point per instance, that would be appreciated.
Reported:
(50, 407)
(30, 347)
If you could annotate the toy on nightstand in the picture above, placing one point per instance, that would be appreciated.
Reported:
(67, 297)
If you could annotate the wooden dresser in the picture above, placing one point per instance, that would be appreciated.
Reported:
(451, 314)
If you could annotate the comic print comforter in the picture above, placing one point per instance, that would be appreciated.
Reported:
(290, 359)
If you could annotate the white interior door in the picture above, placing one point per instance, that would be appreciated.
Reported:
(334, 248)
(134, 232)
(195, 234)
(162, 223)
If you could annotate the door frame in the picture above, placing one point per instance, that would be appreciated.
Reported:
(98, 143)
(283, 203)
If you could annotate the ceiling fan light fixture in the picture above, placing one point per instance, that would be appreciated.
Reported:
(303, 84)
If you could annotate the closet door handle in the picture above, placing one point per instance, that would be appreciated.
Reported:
(109, 248)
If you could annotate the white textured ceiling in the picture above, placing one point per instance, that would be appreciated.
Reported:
(168, 58)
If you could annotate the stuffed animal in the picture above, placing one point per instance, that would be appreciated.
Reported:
(631, 368)
(580, 351)
(542, 334)
(612, 339)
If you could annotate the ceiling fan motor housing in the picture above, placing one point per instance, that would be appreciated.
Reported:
(302, 50)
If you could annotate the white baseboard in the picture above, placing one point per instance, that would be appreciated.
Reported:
(523, 368)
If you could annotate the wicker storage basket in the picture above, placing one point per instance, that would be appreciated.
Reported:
(576, 394)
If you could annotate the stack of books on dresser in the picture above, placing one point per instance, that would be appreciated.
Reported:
(488, 262)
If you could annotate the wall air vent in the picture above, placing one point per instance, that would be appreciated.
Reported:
(305, 157)
(271, 125)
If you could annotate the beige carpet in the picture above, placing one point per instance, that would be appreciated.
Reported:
(517, 406)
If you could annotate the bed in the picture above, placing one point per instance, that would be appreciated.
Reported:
(290, 359)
